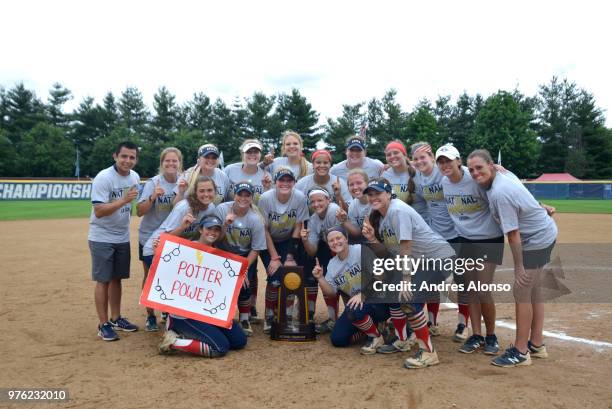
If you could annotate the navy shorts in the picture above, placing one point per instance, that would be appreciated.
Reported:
(109, 261)
(490, 250)
(534, 259)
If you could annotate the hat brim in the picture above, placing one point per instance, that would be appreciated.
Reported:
(444, 155)
(355, 145)
(375, 188)
(243, 189)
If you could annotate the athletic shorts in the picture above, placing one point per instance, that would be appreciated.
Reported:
(140, 256)
(534, 259)
(109, 261)
(490, 250)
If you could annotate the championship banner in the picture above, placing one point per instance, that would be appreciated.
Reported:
(194, 281)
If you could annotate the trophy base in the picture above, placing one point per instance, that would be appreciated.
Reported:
(293, 332)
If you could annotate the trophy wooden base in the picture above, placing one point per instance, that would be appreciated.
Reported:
(293, 332)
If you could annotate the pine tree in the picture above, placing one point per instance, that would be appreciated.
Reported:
(296, 113)
(165, 116)
(336, 131)
(58, 96)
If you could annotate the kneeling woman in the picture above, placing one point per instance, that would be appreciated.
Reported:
(199, 338)
(344, 276)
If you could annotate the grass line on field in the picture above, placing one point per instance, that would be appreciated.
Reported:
(581, 206)
(44, 209)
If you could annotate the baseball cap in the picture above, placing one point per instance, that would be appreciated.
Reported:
(355, 143)
(243, 186)
(250, 145)
(448, 151)
(207, 150)
(379, 186)
(211, 221)
(283, 172)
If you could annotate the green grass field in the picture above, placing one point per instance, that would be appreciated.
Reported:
(61, 209)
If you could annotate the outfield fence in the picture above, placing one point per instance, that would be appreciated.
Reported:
(593, 189)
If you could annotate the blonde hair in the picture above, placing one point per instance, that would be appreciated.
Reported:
(357, 171)
(303, 163)
(192, 192)
(197, 169)
(166, 152)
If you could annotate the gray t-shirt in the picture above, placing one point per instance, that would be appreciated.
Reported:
(174, 220)
(400, 183)
(236, 175)
(357, 212)
(373, 167)
(468, 206)
(317, 227)
(160, 209)
(245, 233)
(402, 222)
(430, 188)
(221, 181)
(307, 183)
(345, 275)
(283, 162)
(107, 187)
(280, 218)
(513, 207)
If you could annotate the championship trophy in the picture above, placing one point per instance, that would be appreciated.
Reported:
(292, 322)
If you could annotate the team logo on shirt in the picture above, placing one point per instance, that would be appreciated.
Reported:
(433, 193)
(459, 205)
(282, 221)
(348, 279)
(164, 203)
(237, 236)
(389, 237)
(401, 191)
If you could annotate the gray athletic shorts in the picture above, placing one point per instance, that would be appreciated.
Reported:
(109, 261)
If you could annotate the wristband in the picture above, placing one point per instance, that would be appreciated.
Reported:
(275, 258)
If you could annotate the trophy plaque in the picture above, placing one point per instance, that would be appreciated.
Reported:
(291, 321)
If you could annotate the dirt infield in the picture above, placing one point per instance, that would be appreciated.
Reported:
(49, 340)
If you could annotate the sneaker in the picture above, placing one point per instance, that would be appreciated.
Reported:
(106, 332)
(512, 357)
(164, 317)
(151, 324)
(325, 327)
(491, 347)
(461, 333)
(167, 341)
(537, 352)
(434, 329)
(267, 325)
(253, 318)
(398, 346)
(246, 327)
(422, 359)
(372, 344)
(122, 324)
(472, 344)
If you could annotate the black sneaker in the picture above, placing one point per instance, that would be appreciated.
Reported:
(472, 344)
(461, 333)
(491, 346)
(106, 332)
(122, 324)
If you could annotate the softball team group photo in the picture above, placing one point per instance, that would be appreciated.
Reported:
(425, 201)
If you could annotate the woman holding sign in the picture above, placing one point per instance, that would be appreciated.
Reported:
(200, 338)
(244, 236)
(154, 205)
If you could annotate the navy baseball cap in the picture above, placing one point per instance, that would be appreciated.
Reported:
(283, 172)
(379, 186)
(243, 186)
(355, 143)
(211, 221)
(207, 150)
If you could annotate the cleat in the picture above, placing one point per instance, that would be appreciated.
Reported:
(372, 344)
(246, 327)
(398, 346)
(164, 316)
(122, 324)
(434, 329)
(472, 344)
(267, 325)
(512, 357)
(106, 332)
(253, 318)
(165, 346)
(537, 352)
(151, 324)
(422, 359)
(325, 327)
(461, 333)
(491, 346)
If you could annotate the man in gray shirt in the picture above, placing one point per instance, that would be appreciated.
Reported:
(112, 193)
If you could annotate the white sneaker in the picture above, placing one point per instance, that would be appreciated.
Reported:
(461, 333)
(398, 346)
(372, 344)
(167, 341)
(422, 359)
(434, 330)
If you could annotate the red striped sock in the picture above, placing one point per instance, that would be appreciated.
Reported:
(398, 319)
(271, 299)
(192, 346)
(464, 314)
(366, 325)
(357, 337)
(432, 312)
(418, 323)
